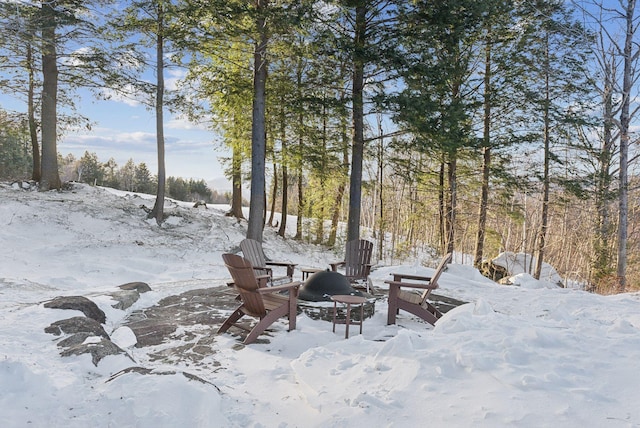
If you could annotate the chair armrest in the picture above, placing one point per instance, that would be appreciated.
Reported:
(336, 265)
(281, 264)
(401, 276)
(279, 288)
(421, 286)
(290, 267)
(268, 269)
(263, 280)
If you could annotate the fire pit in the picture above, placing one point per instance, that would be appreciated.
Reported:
(322, 285)
(314, 296)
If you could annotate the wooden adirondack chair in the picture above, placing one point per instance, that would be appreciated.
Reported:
(357, 262)
(265, 303)
(252, 251)
(412, 301)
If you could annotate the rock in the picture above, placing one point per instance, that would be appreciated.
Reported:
(125, 298)
(140, 287)
(75, 339)
(78, 303)
(77, 325)
(98, 350)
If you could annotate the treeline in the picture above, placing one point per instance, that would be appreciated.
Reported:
(134, 177)
(15, 149)
(16, 160)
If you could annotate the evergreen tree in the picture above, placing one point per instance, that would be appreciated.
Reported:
(90, 170)
(435, 66)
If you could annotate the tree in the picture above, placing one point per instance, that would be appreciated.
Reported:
(629, 77)
(49, 179)
(90, 170)
(45, 39)
(257, 200)
(144, 183)
(150, 19)
(435, 63)
(127, 176)
(14, 153)
(495, 80)
(553, 54)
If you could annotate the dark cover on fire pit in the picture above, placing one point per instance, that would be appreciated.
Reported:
(322, 285)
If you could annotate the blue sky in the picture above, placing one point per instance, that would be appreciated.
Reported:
(126, 130)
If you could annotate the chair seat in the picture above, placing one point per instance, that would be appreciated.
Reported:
(410, 296)
(411, 301)
(273, 301)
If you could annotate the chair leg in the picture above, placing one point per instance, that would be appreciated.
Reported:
(233, 318)
(293, 312)
(265, 322)
(393, 304)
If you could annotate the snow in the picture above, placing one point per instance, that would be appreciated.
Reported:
(527, 355)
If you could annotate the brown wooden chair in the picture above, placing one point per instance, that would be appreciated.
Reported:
(265, 303)
(357, 262)
(252, 251)
(413, 301)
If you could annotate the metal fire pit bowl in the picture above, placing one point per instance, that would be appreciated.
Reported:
(322, 285)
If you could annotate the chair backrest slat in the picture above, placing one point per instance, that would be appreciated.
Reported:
(357, 256)
(252, 251)
(436, 276)
(246, 283)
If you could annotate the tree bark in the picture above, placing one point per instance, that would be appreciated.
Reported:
(50, 177)
(486, 158)
(355, 185)
(236, 182)
(31, 117)
(625, 119)
(546, 181)
(285, 196)
(258, 129)
(450, 217)
(274, 192)
(158, 207)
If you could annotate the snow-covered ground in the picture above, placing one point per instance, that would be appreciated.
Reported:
(531, 355)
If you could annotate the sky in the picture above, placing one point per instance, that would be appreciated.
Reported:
(125, 130)
(527, 355)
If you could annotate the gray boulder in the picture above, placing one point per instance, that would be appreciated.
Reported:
(78, 303)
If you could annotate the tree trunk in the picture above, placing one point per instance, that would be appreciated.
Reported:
(625, 119)
(274, 192)
(285, 196)
(381, 221)
(450, 217)
(441, 207)
(50, 177)
(33, 127)
(602, 260)
(355, 187)
(258, 129)
(158, 208)
(300, 203)
(343, 183)
(486, 159)
(236, 182)
(546, 181)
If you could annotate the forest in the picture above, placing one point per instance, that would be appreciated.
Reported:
(458, 125)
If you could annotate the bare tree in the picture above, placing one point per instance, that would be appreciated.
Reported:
(629, 76)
